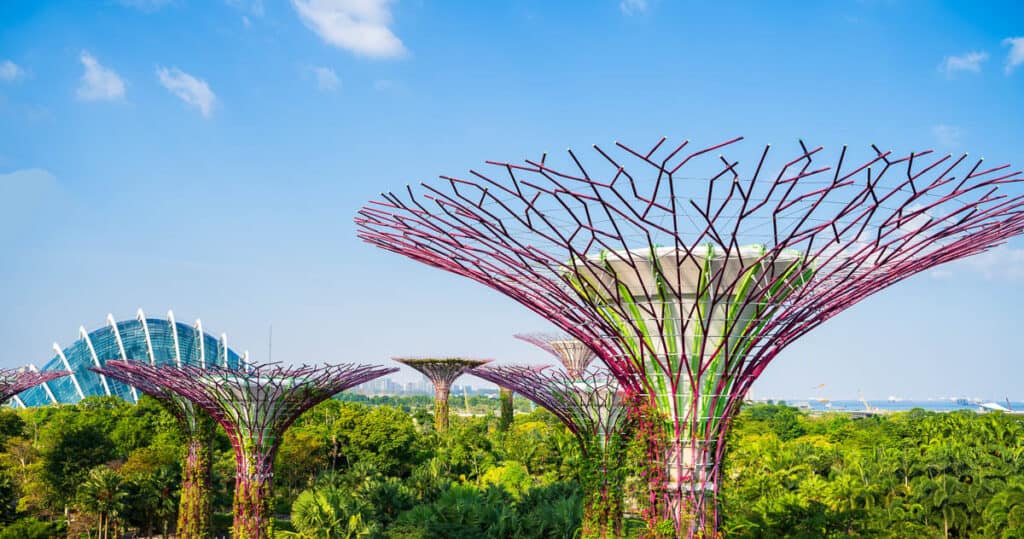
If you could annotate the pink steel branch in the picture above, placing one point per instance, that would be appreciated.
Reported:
(13, 381)
(578, 244)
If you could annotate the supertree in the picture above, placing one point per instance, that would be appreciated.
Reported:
(574, 355)
(255, 406)
(441, 372)
(687, 273)
(14, 381)
(592, 407)
(507, 404)
(196, 493)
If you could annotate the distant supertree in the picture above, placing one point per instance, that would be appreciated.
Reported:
(441, 372)
(687, 273)
(195, 501)
(255, 406)
(592, 407)
(14, 381)
(574, 355)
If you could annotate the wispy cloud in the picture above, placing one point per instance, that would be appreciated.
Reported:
(361, 26)
(326, 79)
(947, 135)
(1016, 55)
(10, 71)
(189, 89)
(145, 5)
(632, 7)
(1002, 263)
(98, 83)
(971, 62)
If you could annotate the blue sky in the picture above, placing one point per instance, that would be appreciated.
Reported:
(208, 157)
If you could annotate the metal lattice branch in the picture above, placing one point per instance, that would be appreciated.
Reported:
(574, 355)
(14, 381)
(687, 272)
(442, 372)
(591, 406)
(254, 406)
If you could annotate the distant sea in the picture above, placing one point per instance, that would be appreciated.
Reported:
(897, 405)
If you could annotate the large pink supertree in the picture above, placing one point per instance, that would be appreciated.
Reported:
(593, 408)
(14, 381)
(687, 272)
(255, 406)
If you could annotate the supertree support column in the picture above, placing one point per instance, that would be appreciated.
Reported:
(687, 272)
(591, 406)
(574, 355)
(507, 399)
(441, 372)
(14, 381)
(195, 501)
(255, 406)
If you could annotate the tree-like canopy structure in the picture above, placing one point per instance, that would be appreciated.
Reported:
(441, 372)
(14, 381)
(255, 406)
(592, 407)
(195, 500)
(687, 272)
(574, 355)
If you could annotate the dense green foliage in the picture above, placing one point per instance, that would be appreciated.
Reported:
(351, 469)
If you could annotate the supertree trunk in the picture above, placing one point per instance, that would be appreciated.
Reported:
(603, 479)
(195, 504)
(253, 514)
(441, 394)
(507, 398)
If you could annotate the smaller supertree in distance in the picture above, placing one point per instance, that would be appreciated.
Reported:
(195, 501)
(13, 381)
(441, 372)
(255, 406)
(593, 407)
(574, 355)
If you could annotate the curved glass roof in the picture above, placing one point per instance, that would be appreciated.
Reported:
(159, 342)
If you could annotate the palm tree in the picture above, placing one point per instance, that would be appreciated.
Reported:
(328, 513)
(102, 493)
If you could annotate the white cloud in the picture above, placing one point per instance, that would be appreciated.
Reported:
(10, 71)
(326, 79)
(1003, 263)
(360, 26)
(947, 135)
(1016, 55)
(631, 7)
(98, 82)
(970, 61)
(189, 89)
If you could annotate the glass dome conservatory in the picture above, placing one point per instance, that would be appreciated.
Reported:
(153, 340)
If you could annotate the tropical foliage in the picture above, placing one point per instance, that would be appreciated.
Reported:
(350, 470)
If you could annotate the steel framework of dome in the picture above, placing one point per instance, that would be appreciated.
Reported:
(160, 342)
(687, 272)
